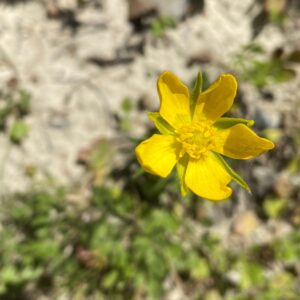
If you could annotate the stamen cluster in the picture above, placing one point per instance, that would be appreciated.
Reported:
(196, 138)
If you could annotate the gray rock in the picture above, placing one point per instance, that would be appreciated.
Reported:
(266, 118)
(264, 180)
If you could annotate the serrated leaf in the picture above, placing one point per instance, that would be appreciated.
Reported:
(224, 123)
(233, 174)
(162, 126)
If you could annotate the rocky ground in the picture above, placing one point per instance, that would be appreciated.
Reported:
(80, 62)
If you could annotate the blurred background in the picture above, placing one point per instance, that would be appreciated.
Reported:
(78, 218)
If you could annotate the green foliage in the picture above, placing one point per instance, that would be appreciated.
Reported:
(196, 91)
(236, 177)
(254, 67)
(4, 114)
(159, 25)
(274, 207)
(251, 274)
(23, 102)
(181, 170)
(276, 10)
(122, 238)
(289, 250)
(162, 126)
(15, 107)
(127, 106)
(124, 247)
(18, 131)
(115, 245)
(225, 122)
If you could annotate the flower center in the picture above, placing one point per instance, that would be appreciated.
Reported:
(196, 138)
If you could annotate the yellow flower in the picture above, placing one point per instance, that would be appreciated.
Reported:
(193, 135)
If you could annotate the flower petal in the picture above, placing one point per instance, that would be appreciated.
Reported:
(158, 154)
(207, 178)
(217, 99)
(174, 100)
(240, 142)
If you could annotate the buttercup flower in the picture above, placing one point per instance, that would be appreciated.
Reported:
(194, 136)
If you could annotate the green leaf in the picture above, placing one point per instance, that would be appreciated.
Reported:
(18, 131)
(159, 25)
(162, 126)
(138, 173)
(127, 105)
(282, 284)
(274, 207)
(196, 90)
(232, 173)
(273, 134)
(24, 102)
(224, 123)
(9, 274)
(287, 250)
(162, 222)
(5, 112)
(2, 288)
(251, 274)
(199, 268)
(29, 273)
(110, 279)
(42, 250)
(181, 169)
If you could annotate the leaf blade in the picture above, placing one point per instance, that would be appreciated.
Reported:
(237, 178)
(224, 123)
(162, 126)
(181, 169)
(197, 90)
